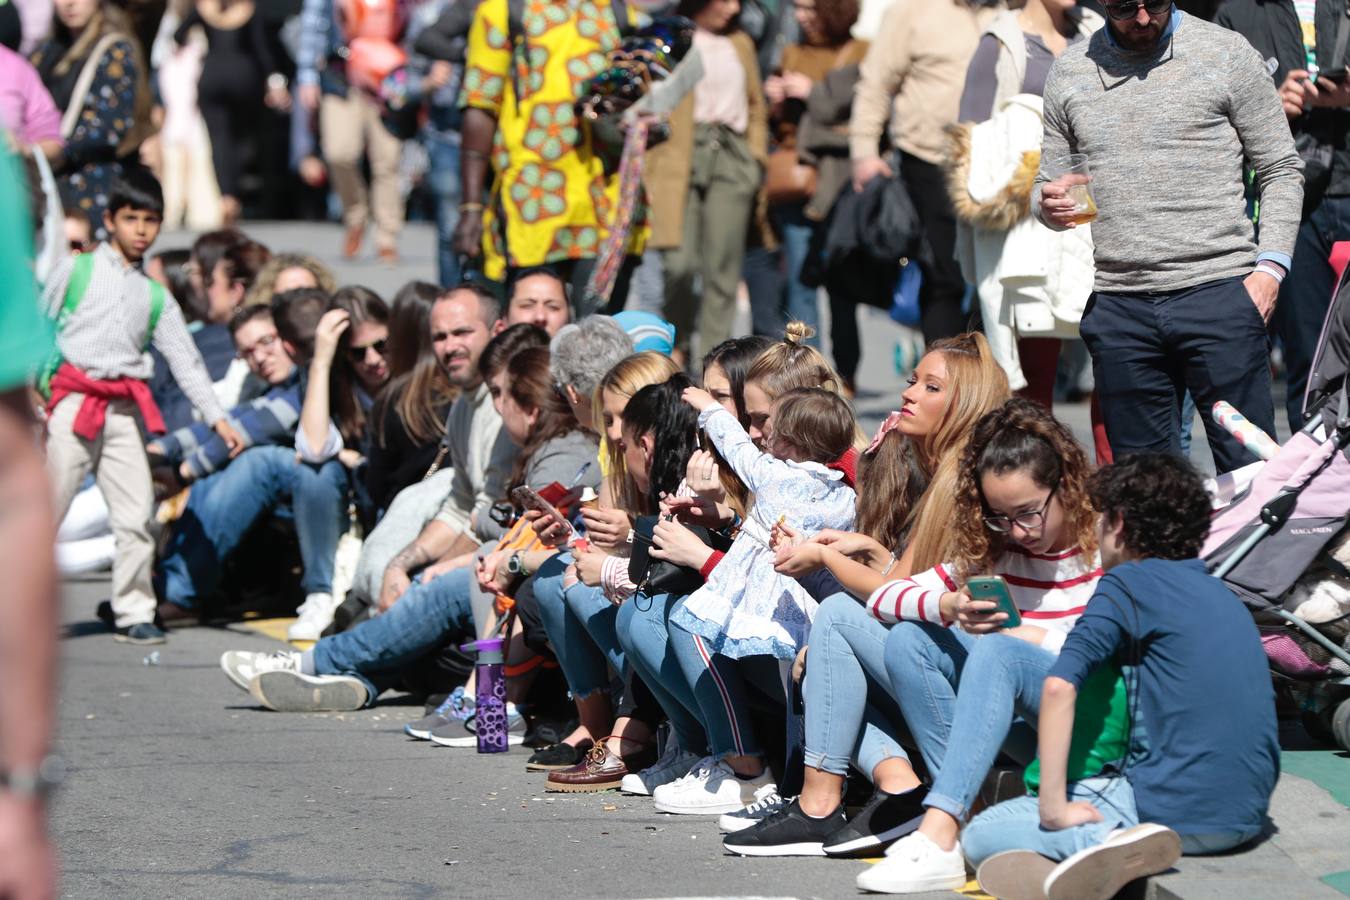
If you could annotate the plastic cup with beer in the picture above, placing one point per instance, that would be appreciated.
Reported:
(1079, 191)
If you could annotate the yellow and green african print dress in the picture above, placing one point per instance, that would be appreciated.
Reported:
(552, 199)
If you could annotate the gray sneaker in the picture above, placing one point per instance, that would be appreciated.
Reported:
(461, 733)
(289, 691)
(455, 708)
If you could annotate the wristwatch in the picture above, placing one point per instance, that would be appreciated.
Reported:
(514, 566)
(34, 783)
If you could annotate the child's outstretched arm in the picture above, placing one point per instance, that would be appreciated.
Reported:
(755, 468)
(171, 338)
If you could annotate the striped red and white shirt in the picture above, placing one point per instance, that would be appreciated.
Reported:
(1050, 590)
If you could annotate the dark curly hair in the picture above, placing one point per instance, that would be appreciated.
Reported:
(1020, 436)
(658, 410)
(1160, 499)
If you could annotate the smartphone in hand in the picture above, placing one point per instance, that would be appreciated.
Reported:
(995, 589)
(527, 497)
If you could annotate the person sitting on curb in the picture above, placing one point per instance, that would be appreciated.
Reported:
(1196, 682)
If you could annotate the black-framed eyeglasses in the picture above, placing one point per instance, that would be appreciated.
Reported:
(358, 354)
(1033, 520)
(1130, 8)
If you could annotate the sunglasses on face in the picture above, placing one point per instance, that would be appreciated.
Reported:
(1130, 8)
(358, 354)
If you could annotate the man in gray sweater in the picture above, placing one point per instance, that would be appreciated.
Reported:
(1166, 107)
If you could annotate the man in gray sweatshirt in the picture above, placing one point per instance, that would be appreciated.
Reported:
(1166, 107)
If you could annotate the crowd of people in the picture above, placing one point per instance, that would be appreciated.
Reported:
(714, 588)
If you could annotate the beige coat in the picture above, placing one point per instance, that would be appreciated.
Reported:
(913, 76)
(666, 174)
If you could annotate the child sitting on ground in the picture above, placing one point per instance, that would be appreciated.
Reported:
(747, 608)
(107, 314)
(1198, 687)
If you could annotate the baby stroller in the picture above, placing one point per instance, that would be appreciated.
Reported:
(1283, 545)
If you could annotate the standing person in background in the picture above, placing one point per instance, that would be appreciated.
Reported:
(26, 109)
(238, 76)
(913, 75)
(96, 73)
(1308, 62)
(703, 181)
(1023, 274)
(28, 627)
(349, 118)
(1184, 286)
(825, 47)
(550, 196)
(439, 88)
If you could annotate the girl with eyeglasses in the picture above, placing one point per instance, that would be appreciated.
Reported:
(959, 673)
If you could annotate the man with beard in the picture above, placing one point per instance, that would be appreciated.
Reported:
(1165, 107)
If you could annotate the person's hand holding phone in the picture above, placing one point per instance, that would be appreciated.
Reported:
(974, 616)
(551, 533)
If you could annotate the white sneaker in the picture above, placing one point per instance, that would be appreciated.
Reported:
(289, 691)
(242, 666)
(710, 788)
(914, 865)
(674, 763)
(1101, 871)
(767, 802)
(315, 615)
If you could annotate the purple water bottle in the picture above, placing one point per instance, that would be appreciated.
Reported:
(490, 713)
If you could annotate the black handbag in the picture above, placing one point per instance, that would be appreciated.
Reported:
(657, 576)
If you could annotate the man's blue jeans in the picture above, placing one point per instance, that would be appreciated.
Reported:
(796, 230)
(1148, 349)
(424, 618)
(850, 715)
(643, 626)
(224, 506)
(1305, 295)
(443, 179)
(580, 627)
(1016, 824)
(959, 695)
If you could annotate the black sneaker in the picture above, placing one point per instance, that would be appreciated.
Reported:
(557, 756)
(788, 832)
(885, 818)
(142, 633)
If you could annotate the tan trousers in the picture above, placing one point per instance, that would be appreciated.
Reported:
(349, 127)
(117, 459)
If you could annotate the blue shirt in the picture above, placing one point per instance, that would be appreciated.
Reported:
(1207, 752)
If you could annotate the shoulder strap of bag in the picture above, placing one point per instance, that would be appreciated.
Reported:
(80, 274)
(157, 299)
(84, 82)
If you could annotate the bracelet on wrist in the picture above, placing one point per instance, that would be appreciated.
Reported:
(465, 207)
(1272, 270)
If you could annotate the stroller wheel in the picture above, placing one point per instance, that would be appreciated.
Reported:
(1340, 725)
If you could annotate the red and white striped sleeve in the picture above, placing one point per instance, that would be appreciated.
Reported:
(614, 580)
(915, 598)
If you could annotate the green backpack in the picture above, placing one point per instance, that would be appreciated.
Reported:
(80, 275)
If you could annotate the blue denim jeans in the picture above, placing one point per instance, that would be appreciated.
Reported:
(850, 716)
(796, 230)
(1016, 824)
(643, 626)
(224, 506)
(377, 650)
(443, 179)
(572, 619)
(720, 685)
(959, 695)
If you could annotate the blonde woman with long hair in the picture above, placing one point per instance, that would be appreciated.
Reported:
(904, 516)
